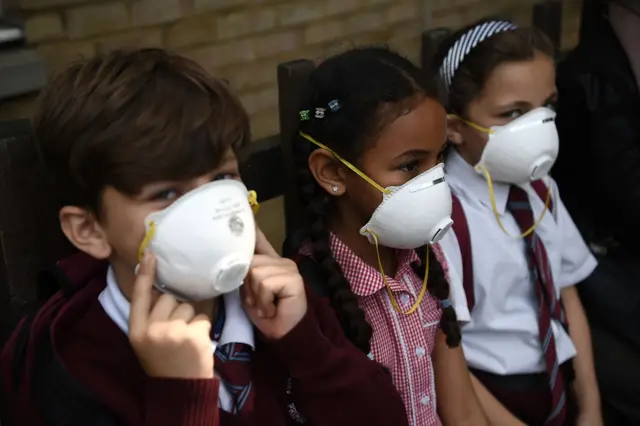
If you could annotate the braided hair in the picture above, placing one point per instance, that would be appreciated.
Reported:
(374, 86)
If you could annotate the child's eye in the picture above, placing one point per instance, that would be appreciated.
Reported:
(222, 176)
(166, 195)
(410, 167)
(511, 114)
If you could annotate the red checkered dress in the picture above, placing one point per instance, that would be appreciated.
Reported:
(402, 343)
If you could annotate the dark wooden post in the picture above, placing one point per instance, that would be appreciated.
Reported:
(30, 235)
(292, 78)
(431, 40)
(547, 16)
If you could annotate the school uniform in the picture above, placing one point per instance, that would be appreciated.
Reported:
(313, 375)
(501, 312)
(402, 343)
(234, 327)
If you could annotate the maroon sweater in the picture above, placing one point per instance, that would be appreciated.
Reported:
(333, 383)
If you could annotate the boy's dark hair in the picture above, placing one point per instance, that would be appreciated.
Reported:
(129, 118)
(510, 46)
(374, 87)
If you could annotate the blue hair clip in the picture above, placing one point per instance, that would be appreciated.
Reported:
(446, 303)
(334, 105)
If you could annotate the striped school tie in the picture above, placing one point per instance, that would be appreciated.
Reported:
(233, 365)
(550, 307)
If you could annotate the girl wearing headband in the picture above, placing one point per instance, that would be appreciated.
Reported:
(369, 160)
(515, 255)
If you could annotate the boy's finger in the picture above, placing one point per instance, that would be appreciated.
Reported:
(247, 294)
(201, 322)
(263, 246)
(142, 293)
(266, 295)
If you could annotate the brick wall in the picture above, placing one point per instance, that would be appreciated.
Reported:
(241, 40)
(456, 13)
(244, 40)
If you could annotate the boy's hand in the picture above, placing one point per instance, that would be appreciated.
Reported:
(273, 291)
(167, 337)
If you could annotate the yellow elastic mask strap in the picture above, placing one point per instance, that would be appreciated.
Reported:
(147, 239)
(474, 125)
(253, 202)
(497, 214)
(386, 283)
(346, 163)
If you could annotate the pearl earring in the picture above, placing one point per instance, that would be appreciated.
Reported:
(335, 188)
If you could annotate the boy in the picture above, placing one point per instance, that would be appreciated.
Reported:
(125, 135)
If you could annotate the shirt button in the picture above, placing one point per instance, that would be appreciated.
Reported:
(425, 399)
(404, 299)
(420, 352)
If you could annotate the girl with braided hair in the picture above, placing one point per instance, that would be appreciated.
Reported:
(369, 159)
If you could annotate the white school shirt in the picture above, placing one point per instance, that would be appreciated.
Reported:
(501, 333)
(237, 327)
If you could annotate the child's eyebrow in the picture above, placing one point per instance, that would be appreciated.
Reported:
(515, 104)
(411, 153)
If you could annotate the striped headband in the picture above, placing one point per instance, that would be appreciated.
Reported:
(466, 43)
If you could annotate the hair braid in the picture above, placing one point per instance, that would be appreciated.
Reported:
(438, 287)
(343, 300)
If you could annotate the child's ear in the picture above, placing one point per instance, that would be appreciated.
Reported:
(454, 129)
(83, 230)
(327, 171)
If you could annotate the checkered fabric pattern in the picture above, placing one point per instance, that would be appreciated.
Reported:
(402, 343)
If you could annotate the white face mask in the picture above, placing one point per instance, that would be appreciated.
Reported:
(414, 214)
(523, 150)
(410, 215)
(204, 242)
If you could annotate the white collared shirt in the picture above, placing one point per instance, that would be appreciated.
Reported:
(237, 326)
(500, 335)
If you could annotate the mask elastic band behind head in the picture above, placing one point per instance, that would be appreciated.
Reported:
(472, 124)
(346, 163)
(466, 43)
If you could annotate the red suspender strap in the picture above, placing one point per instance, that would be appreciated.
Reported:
(461, 229)
(542, 191)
